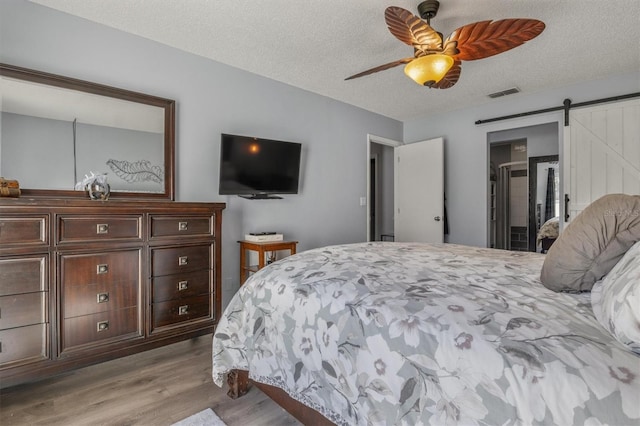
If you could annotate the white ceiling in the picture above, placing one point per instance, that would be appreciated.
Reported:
(314, 45)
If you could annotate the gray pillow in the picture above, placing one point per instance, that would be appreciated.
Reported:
(592, 243)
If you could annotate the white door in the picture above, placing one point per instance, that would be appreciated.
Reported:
(419, 191)
(601, 153)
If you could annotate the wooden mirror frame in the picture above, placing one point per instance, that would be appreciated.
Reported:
(98, 89)
(533, 186)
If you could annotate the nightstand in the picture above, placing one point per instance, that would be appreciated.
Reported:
(261, 248)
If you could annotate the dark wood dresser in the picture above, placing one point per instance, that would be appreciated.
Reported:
(83, 282)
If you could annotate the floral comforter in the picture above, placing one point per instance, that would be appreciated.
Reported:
(407, 333)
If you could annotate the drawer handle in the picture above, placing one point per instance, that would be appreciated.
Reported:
(183, 285)
(102, 268)
(103, 297)
(183, 226)
(102, 228)
(103, 326)
(183, 260)
(183, 310)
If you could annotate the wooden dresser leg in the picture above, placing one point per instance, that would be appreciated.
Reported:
(238, 381)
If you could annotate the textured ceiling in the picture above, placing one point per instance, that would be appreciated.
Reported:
(314, 45)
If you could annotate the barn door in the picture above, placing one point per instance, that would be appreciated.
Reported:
(419, 191)
(602, 154)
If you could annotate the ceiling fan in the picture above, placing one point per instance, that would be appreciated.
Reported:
(436, 63)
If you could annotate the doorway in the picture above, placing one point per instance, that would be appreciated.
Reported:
(409, 200)
(516, 229)
(373, 192)
(509, 207)
(380, 193)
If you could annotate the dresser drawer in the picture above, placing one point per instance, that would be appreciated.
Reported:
(22, 309)
(99, 327)
(23, 275)
(93, 298)
(179, 226)
(24, 230)
(179, 286)
(177, 311)
(23, 343)
(178, 260)
(103, 268)
(99, 228)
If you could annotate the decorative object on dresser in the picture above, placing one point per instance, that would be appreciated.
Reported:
(84, 282)
(96, 186)
(9, 188)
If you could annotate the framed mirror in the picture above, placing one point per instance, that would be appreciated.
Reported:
(544, 198)
(56, 131)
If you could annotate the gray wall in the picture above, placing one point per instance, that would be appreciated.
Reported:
(212, 98)
(37, 151)
(95, 145)
(466, 153)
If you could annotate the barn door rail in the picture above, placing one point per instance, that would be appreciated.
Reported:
(566, 106)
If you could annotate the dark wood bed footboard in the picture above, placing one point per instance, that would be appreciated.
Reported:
(239, 384)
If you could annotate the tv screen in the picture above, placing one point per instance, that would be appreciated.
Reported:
(256, 167)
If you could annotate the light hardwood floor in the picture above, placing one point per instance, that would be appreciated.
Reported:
(157, 387)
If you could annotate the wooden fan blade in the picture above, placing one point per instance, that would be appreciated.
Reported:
(411, 30)
(381, 68)
(451, 78)
(486, 38)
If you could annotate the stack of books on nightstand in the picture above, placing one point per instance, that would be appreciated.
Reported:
(262, 237)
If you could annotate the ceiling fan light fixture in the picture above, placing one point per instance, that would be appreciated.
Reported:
(470, 42)
(430, 69)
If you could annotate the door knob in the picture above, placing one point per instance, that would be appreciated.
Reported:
(437, 218)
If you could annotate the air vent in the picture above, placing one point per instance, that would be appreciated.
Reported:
(505, 92)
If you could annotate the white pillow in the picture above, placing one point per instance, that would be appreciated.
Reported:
(616, 300)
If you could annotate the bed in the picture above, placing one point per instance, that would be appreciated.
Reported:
(386, 333)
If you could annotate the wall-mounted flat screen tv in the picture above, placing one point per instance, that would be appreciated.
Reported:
(258, 168)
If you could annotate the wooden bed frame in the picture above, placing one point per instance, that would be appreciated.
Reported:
(239, 384)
